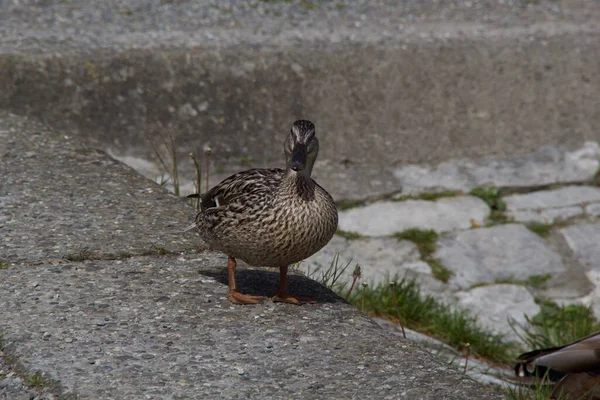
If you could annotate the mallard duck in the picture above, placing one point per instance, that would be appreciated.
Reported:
(270, 217)
(575, 367)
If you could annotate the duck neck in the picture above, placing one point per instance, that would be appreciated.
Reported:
(298, 184)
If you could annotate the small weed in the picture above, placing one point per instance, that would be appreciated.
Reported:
(169, 160)
(426, 314)
(244, 160)
(36, 380)
(540, 228)
(126, 11)
(348, 204)
(497, 218)
(537, 281)
(492, 196)
(556, 325)
(596, 178)
(82, 254)
(161, 251)
(3, 265)
(541, 391)
(438, 270)
(424, 239)
(348, 234)
(330, 278)
(430, 196)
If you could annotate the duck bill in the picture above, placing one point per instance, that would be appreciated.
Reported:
(298, 157)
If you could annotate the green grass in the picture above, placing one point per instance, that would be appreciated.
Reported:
(36, 380)
(535, 281)
(430, 196)
(493, 197)
(553, 326)
(540, 228)
(159, 250)
(348, 204)
(245, 160)
(426, 314)
(497, 218)
(557, 325)
(331, 276)
(348, 234)
(439, 271)
(424, 239)
(539, 392)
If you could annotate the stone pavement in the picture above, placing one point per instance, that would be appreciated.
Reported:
(104, 296)
(496, 262)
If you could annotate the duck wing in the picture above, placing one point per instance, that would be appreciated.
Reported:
(251, 184)
(582, 355)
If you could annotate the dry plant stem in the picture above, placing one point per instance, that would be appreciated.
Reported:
(175, 167)
(198, 178)
(207, 152)
(467, 358)
(351, 287)
(395, 300)
(170, 146)
(362, 303)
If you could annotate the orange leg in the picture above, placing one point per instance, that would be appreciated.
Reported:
(234, 296)
(282, 296)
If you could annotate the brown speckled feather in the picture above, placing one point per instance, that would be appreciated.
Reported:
(267, 217)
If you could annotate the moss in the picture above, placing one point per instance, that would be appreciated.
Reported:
(424, 239)
(439, 271)
(430, 196)
(539, 228)
(348, 204)
(348, 234)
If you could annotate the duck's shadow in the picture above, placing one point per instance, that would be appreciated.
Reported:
(264, 283)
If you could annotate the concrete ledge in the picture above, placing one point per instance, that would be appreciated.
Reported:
(61, 199)
(160, 326)
(383, 90)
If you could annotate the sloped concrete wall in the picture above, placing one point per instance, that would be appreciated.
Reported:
(385, 103)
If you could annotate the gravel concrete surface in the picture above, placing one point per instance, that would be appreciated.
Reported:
(160, 327)
(48, 25)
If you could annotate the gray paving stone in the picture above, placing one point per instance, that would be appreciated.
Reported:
(583, 239)
(593, 209)
(547, 215)
(557, 198)
(389, 217)
(494, 304)
(545, 166)
(380, 259)
(168, 331)
(500, 252)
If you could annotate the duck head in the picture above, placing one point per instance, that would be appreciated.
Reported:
(301, 148)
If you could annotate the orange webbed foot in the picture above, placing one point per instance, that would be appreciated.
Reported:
(238, 298)
(298, 300)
